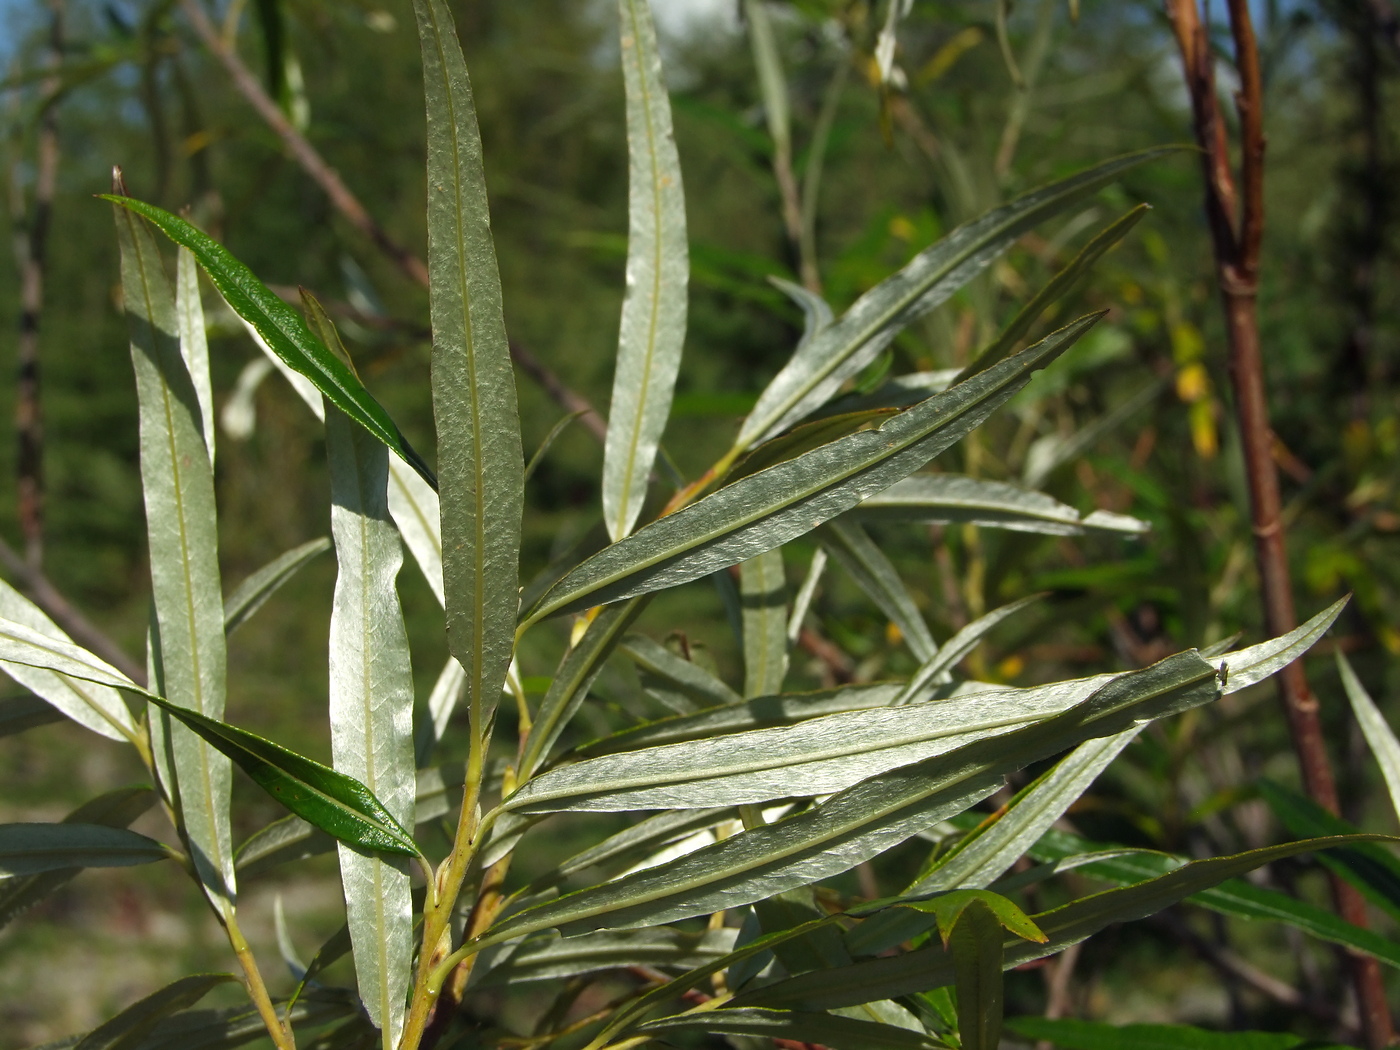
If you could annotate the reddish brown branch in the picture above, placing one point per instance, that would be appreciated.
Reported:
(1236, 223)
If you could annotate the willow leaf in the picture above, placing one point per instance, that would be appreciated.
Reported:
(92, 706)
(417, 513)
(763, 511)
(371, 712)
(858, 554)
(986, 853)
(194, 341)
(113, 809)
(975, 944)
(685, 676)
(571, 682)
(865, 820)
(250, 595)
(125, 1031)
(442, 702)
(932, 967)
(957, 647)
(478, 425)
(1058, 287)
(761, 713)
(18, 713)
(658, 269)
(178, 483)
(30, 849)
(282, 329)
(954, 499)
(842, 349)
(763, 594)
(1379, 736)
(1074, 1034)
(550, 957)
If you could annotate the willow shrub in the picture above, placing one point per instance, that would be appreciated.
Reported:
(745, 797)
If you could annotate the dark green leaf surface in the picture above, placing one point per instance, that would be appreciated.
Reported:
(125, 1031)
(334, 802)
(839, 1033)
(765, 510)
(283, 329)
(932, 967)
(763, 598)
(29, 849)
(974, 942)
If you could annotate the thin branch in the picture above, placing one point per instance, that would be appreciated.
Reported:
(1237, 232)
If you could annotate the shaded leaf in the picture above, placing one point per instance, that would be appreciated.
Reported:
(807, 436)
(18, 713)
(763, 594)
(842, 349)
(684, 675)
(248, 597)
(125, 1031)
(194, 342)
(282, 329)
(765, 510)
(662, 948)
(957, 647)
(29, 849)
(839, 1033)
(478, 425)
(857, 553)
(658, 268)
(932, 967)
(974, 942)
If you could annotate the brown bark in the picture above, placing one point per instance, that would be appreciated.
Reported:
(1236, 219)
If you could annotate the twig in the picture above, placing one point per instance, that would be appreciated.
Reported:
(47, 597)
(301, 150)
(1236, 221)
(31, 233)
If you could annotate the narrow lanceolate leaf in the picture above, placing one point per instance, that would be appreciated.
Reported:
(282, 329)
(482, 467)
(1059, 286)
(28, 849)
(96, 707)
(984, 855)
(680, 674)
(976, 948)
(658, 269)
(178, 483)
(862, 821)
(577, 671)
(761, 713)
(125, 1031)
(417, 513)
(194, 341)
(114, 809)
(636, 844)
(1233, 897)
(839, 1033)
(442, 702)
(371, 712)
(250, 595)
(18, 713)
(549, 957)
(842, 349)
(1374, 727)
(763, 593)
(858, 554)
(803, 602)
(957, 647)
(932, 967)
(948, 499)
(332, 801)
(765, 510)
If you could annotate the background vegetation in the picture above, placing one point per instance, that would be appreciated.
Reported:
(970, 131)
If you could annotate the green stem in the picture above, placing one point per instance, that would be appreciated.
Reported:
(278, 1028)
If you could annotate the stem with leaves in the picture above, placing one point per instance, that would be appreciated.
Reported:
(1236, 219)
